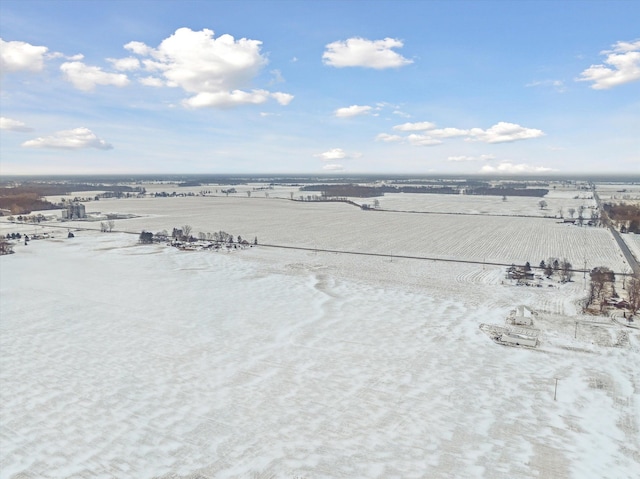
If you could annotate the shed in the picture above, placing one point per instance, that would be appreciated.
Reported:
(523, 317)
(518, 339)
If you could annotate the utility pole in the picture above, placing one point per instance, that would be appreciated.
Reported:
(555, 391)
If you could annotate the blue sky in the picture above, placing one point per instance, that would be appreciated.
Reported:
(416, 87)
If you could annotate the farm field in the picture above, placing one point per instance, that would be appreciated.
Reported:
(560, 197)
(619, 192)
(485, 205)
(124, 360)
(633, 242)
(339, 226)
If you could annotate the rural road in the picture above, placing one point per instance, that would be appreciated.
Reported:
(635, 267)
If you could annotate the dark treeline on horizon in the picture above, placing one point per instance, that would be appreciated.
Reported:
(188, 179)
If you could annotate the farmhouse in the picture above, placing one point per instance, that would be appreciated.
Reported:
(520, 273)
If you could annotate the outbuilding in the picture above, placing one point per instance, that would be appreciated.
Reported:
(523, 316)
(519, 339)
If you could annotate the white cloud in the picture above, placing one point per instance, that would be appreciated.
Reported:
(215, 70)
(353, 110)
(151, 81)
(13, 125)
(227, 99)
(623, 67)
(448, 132)
(282, 98)
(72, 58)
(557, 85)
(429, 135)
(16, 56)
(503, 132)
(139, 48)
(388, 138)
(471, 158)
(85, 77)
(277, 77)
(332, 154)
(622, 47)
(359, 52)
(125, 64)
(69, 140)
(422, 140)
(419, 126)
(511, 168)
(333, 167)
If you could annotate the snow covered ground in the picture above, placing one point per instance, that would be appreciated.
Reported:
(342, 226)
(633, 242)
(124, 360)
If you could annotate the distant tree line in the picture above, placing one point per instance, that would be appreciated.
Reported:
(13, 236)
(173, 194)
(23, 203)
(23, 198)
(363, 191)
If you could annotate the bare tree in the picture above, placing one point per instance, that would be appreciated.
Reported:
(566, 272)
(581, 209)
(111, 224)
(5, 247)
(602, 280)
(542, 204)
(561, 212)
(572, 211)
(186, 231)
(633, 291)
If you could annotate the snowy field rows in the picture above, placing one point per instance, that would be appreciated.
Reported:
(340, 226)
(565, 198)
(122, 360)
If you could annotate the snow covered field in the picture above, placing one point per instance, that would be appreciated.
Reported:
(340, 226)
(619, 192)
(633, 242)
(127, 360)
